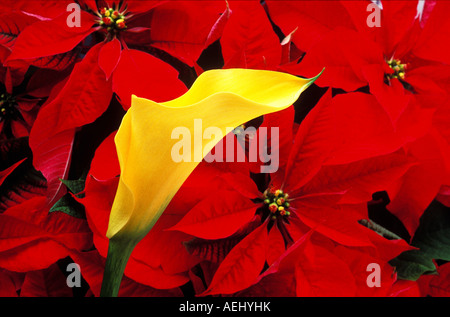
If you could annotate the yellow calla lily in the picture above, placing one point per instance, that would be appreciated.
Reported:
(150, 176)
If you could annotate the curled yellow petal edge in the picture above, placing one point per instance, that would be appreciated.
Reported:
(149, 176)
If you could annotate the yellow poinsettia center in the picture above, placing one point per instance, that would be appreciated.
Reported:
(277, 203)
(398, 69)
(8, 107)
(112, 19)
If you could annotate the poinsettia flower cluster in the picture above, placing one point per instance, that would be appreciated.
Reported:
(363, 174)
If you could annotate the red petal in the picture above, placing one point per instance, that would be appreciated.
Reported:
(396, 20)
(250, 43)
(32, 239)
(186, 40)
(360, 179)
(43, 9)
(11, 25)
(83, 99)
(217, 29)
(242, 183)
(404, 288)
(275, 247)
(340, 224)
(42, 82)
(98, 200)
(85, 96)
(393, 96)
(358, 261)
(281, 122)
(439, 286)
(315, 139)
(109, 56)
(50, 282)
(420, 185)
(105, 164)
(430, 83)
(145, 76)
(217, 216)
(92, 267)
(320, 273)
(5, 173)
(138, 7)
(242, 266)
(7, 285)
(365, 129)
(51, 37)
(313, 19)
(52, 157)
(433, 41)
(343, 64)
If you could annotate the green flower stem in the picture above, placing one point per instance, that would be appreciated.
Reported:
(119, 251)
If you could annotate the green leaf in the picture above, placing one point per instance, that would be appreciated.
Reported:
(432, 238)
(68, 205)
(75, 186)
(410, 265)
(433, 234)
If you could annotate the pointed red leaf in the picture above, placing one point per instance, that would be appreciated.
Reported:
(344, 64)
(50, 37)
(360, 179)
(188, 39)
(320, 273)
(92, 267)
(50, 282)
(242, 266)
(21, 181)
(314, 141)
(396, 21)
(365, 129)
(313, 19)
(5, 173)
(57, 62)
(340, 224)
(439, 286)
(357, 260)
(278, 279)
(250, 43)
(32, 239)
(276, 247)
(393, 97)
(138, 7)
(217, 216)
(433, 41)
(242, 183)
(7, 285)
(277, 131)
(420, 184)
(42, 9)
(405, 288)
(11, 24)
(145, 76)
(105, 164)
(84, 97)
(287, 261)
(218, 27)
(51, 156)
(109, 57)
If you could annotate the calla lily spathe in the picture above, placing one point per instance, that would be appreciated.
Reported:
(150, 177)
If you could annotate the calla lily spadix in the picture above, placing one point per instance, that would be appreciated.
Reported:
(150, 177)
